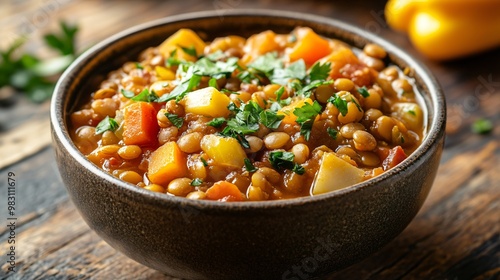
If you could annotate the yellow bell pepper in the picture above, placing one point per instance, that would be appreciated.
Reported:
(447, 29)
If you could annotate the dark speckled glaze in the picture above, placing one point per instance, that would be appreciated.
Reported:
(253, 240)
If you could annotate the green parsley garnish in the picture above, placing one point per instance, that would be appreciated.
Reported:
(189, 50)
(307, 90)
(270, 119)
(282, 76)
(411, 112)
(196, 182)
(106, 124)
(319, 71)
(127, 93)
(144, 96)
(217, 122)
(305, 117)
(482, 126)
(332, 132)
(284, 160)
(213, 83)
(363, 91)
(249, 166)
(175, 119)
(340, 103)
(188, 83)
(138, 66)
(357, 104)
(205, 163)
(172, 59)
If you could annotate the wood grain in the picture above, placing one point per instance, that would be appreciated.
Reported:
(456, 235)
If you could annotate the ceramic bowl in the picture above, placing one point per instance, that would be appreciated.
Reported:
(288, 239)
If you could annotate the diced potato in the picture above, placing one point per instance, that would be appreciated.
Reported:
(208, 102)
(224, 151)
(410, 114)
(182, 38)
(334, 174)
(338, 59)
(290, 118)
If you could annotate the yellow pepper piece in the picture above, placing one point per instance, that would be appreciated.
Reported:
(186, 38)
(446, 29)
(208, 102)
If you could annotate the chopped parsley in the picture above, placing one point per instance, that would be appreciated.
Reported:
(138, 66)
(340, 103)
(189, 50)
(106, 124)
(205, 163)
(175, 120)
(144, 96)
(307, 90)
(332, 132)
(217, 122)
(411, 112)
(127, 93)
(196, 182)
(357, 104)
(172, 59)
(363, 91)
(249, 166)
(319, 71)
(213, 83)
(282, 76)
(188, 83)
(305, 117)
(270, 119)
(284, 160)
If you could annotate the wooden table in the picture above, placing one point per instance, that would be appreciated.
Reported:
(456, 235)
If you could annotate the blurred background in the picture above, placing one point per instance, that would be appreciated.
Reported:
(455, 236)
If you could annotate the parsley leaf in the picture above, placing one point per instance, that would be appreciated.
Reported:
(245, 121)
(217, 122)
(340, 103)
(175, 119)
(357, 104)
(172, 60)
(284, 160)
(217, 70)
(106, 124)
(138, 66)
(145, 96)
(189, 50)
(128, 93)
(213, 83)
(307, 90)
(319, 71)
(33, 76)
(305, 117)
(188, 83)
(332, 132)
(363, 91)
(196, 182)
(267, 63)
(249, 166)
(270, 119)
(296, 70)
(205, 163)
(411, 112)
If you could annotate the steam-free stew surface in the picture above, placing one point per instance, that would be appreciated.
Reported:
(271, 116)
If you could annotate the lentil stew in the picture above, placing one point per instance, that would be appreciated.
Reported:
(272, 116)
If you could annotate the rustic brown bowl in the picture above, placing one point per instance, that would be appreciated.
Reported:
(289, 239)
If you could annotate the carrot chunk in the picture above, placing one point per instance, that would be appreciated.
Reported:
(310, 46)
(224, 191)
(140, 125)
(167, 163)
(396, 155)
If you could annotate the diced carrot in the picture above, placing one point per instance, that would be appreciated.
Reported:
(167, 163)
(396, 155)
(310, 46)
(259, 44)
(224, 191)
(338, 59)
(140, 125)
(287, 111)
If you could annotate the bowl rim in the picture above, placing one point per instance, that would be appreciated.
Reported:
(434, 133)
